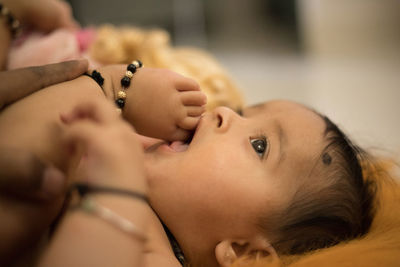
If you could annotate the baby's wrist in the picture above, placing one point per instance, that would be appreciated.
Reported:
(107, 73)
(119, 82)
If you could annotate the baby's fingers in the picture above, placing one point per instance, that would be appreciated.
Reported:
(189, 123)
(195, 111)
(180, 135)
(193, 98)
(186, 84)
(81, 134)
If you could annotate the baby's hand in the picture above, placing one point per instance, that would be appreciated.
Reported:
(163, 104)
(113, 153)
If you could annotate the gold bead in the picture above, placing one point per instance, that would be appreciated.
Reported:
(15, 24)
(129, 74)
(121, 94)
(136, 63)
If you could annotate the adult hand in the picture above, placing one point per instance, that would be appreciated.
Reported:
(43, 15)
(16, 84)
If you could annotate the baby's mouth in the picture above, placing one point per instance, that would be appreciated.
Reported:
(180, 146)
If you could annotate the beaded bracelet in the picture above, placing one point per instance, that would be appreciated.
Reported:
(13, 23)
(96, 76)
(125, 82)
(90, 206)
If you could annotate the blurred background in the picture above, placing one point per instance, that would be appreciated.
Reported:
(341, 57)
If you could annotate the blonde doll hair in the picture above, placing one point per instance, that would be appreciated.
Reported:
(122, 45)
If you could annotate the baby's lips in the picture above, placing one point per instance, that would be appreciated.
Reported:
(179, 146)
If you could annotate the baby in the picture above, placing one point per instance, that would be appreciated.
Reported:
(171, 102)
(34, 124)
(278, 179)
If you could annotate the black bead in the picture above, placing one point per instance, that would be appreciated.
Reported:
(126, 81)
(10, 19)
(120, 103)
(140, 63)
(132, 68)
(97, 77)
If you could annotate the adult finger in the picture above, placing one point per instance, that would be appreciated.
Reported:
(19, 83)
(25, 175)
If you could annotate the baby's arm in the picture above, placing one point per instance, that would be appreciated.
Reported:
(159, 103)
(83, 240)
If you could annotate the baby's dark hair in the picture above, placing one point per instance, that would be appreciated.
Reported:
(337, 209)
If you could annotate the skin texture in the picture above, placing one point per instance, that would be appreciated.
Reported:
(24, 175)
(22, 172)
(40, 113)
(88, 128)
(27, 184)
(160, 103)
(220, 185)
(14, 88)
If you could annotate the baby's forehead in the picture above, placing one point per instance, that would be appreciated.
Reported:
(277, 106)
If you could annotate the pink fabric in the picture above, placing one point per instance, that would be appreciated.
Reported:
(85, 37)
(35, 49)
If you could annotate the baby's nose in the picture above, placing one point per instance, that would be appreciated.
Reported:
(224, 117)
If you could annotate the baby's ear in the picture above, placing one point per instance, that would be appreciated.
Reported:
(229, 250)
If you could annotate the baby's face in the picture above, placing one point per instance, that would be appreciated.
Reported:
(235, 169)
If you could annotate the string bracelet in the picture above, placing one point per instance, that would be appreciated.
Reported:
(96, 76)
(125, 83)
(83, 189)
(90, 206)
(13, 23)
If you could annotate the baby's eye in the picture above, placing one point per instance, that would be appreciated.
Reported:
(259, 145)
